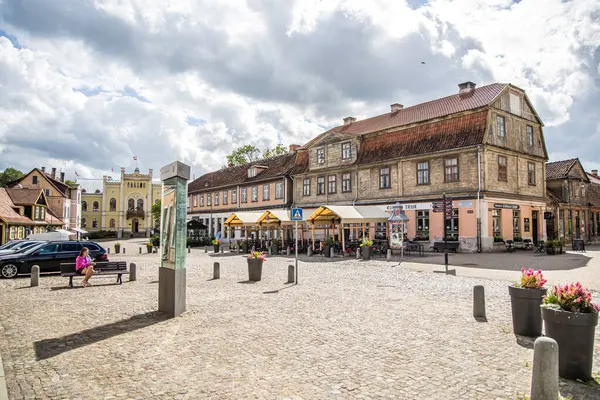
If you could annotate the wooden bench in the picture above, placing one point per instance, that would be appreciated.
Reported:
(118, 268)
(437, 246)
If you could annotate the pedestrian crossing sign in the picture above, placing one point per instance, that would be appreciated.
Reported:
(296, 214)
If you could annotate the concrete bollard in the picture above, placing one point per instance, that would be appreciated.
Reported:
(331, 252)
(35, 275)
(132, 272)
(189, 249)
(479, 302)
(123, 250)
(389, 254)
(358, 253)
(287, 252)
(206, 249)
(270, 250)
(544, 379)
(309, 251)
(222, 248)
(216, 271)
(108, 251)
(290, 274)
(140, 250)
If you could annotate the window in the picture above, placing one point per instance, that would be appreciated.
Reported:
(306, 187)
(234, 196)
(515, 104)
(346, 182)
(332, 184)
(451, 170)
(516, 223)
(500, 122)
(194, 200)
(43, 213)
(49, 249)
(66, 247)
(255, 193)
(95, 223)
(502, 175)
(130, 204)
(531, 173)
(225, 196)
(47, 192)
(83, 223)
(384, 178)
(95, 206)
(37, 213)
(252, 172)
(279, 190)
(35, 180)
(320, 156)
(113, 205)
(496, 222)
(423, 173)
(140, 204)
(266, 192)
(422, 225)
(202, 200)
(84, 205)
(209, 199)
(217, 199)
(346, 150)
(530, 135)
(244, 195)
(452, 226)
(321, 185)
(111, 223)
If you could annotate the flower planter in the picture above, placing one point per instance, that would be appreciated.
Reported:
(149, 248)
(254, 269)
(275, 248)
(366, 252)
(551, 251)
(216, 248)
(326, 250)
(526, 313)
(574, 333)
(117, 249)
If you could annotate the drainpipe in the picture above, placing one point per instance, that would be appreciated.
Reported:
(479, 199)
(356, 186)
(293, 191)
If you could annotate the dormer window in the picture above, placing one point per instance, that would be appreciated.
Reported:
(255, 170)
(252, 172)
(320, 156)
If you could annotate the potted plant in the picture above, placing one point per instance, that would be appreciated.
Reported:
(327, 246)
(149, 247)
(255, 262)
(366, 248)
(216, 243)
(117, 248)
(525, 299)
(551, 247)
(570, 318)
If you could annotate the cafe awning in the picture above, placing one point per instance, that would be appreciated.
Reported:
(79, 230)
(243, 219)
(283, 217)
(349, 214)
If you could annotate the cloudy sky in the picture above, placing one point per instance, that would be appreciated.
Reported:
(85, 85)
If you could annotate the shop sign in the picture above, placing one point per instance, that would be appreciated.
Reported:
(507, 206)
(410, 206)
(470, 211)
(465, 204)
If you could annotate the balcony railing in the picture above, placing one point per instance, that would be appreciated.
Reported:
(136, 214)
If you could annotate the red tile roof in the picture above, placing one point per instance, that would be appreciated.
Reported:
(458, 132)
(477, 98)
(560, 169)
(24, 197)
(7, 213)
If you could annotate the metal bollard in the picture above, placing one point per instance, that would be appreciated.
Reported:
(358, 253)
(216, 271)
(479, 303)
(389, 254)
(290, 274)
(35, 275)
(132, 272)
(108, 251)
(140, 250)
(544, 379)
(331, 252)
(309, 251)
(123, 250)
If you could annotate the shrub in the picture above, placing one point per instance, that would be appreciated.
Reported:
(498, 239)
(366, 242)
(531, 279)
(517, 238)
(572, 297)
(330, 241)
(102, 234)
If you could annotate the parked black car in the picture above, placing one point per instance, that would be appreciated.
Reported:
(21, 246)
(48, 256)
(11, 244)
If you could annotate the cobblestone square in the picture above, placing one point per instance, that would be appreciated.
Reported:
(350, 329)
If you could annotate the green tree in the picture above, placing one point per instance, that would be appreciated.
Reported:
(70, 183)
(9, 175)
(278, 150)
(156, 209)
(243, 155)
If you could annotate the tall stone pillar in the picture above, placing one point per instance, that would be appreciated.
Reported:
(171, 275)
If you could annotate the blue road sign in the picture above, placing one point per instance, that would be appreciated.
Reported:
(296, 214)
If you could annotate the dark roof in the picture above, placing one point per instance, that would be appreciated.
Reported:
(460, 102)
(24, 197)
(554, 196)
(594, 194)
(560, 169)
(458, 132)
(62, 187)
(238, 175)
(301, 165)
(7, 213)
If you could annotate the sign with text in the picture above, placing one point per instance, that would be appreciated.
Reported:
(410, 206)
(507, 206)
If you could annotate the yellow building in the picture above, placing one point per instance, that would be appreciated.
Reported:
(123, 206)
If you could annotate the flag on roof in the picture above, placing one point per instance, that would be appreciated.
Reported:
(134, 158)
(76, 174)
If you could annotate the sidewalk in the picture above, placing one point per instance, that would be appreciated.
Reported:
(3, 390)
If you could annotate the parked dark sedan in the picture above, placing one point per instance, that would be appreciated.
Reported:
(48, 256)
(11, 244)
(22, 246)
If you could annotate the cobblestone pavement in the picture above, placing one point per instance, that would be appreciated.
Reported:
(350, 329)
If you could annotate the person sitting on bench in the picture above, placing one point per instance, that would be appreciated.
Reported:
(84, 266)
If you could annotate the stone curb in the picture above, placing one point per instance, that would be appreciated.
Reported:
(3, 390)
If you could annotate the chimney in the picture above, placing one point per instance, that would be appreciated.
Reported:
(230, 165)
(53, 173)
(349, 120)
(44, 169)
(595, 172)
(396, 107)
(466, 87)
(294, 147)
(62, 177)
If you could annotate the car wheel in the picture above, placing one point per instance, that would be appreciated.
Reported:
(9, 271)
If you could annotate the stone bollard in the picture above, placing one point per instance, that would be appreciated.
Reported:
(389, 254)
(309, 251)
(189, 249)
(479, 303)
(270, 250)
(35, 275)
(544, 379)
(222, 248)
(123, 250)
(358, 253)
(216, 271)
(206, 249)
(287, 252)
(108, 251)
(140, 250)
(132, 272)
(290, 274)
(331, 252)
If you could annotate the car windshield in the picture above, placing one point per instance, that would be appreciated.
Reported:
(33, 248)
(22, 247)
(9, 245)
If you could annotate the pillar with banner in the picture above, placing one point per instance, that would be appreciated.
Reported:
(397, 220)
(171, 276)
